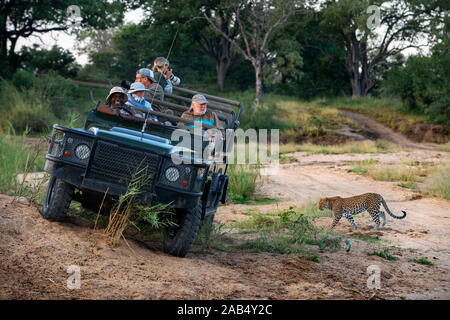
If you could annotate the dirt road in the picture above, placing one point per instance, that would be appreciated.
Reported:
(35, 254)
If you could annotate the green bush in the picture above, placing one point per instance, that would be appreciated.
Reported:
(16, 158)
(38, 102)
(242, 183)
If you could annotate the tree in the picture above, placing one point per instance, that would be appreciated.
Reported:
(257, 20)
(424, 82)
(41, 61)
(402, 24)
(186, 16)
(24, 18)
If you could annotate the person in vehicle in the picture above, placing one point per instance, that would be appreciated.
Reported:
(116, 97)
(136, 99)
(155, 91)
(163, 75)
(199, 112)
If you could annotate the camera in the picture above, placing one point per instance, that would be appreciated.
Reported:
(125, 84)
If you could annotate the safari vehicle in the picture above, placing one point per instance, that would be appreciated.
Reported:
(94, 164)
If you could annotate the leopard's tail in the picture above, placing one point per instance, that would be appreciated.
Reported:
(389, 211)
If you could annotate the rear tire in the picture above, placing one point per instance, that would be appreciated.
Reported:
(179, 240)
(57, 199)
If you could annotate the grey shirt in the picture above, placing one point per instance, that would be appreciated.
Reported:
(156, 93)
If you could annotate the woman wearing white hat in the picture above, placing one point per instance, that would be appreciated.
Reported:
(136, 99)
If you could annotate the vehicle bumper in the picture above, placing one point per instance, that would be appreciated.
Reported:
(75, 175)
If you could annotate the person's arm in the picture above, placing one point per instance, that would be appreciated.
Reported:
(168, 87)
(148, 104)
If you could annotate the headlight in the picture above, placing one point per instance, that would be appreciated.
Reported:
(172, 174)
(82, 151)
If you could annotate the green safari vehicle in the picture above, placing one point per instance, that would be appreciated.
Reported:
(95, 164)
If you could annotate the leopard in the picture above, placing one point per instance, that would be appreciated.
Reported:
(348, 207)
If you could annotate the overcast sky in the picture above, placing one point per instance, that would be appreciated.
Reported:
(66, 41)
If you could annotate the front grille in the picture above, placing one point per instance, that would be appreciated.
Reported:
(118, 164)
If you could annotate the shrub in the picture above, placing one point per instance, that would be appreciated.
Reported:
(16, 158)
(242, 183)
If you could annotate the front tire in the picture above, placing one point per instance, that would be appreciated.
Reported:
(179, 240)
(57, 199)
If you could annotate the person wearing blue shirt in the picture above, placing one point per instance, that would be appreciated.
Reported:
(136, 99)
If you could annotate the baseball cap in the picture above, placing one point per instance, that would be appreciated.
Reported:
(199, 98)
(145, 72)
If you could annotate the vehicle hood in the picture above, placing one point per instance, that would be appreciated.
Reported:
(145, 141)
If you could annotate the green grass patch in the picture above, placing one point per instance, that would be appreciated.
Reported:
(438, 182)
(405, 176)
(243, 182)
(422, 260)
(15, 158)
(383, 254)
(287, 232)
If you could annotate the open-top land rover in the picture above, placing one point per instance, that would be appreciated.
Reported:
(94, 164)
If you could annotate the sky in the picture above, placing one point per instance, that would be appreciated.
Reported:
(67, 41)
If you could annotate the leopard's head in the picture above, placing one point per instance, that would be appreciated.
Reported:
(324, 203)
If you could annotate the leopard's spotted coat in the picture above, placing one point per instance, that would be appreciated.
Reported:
(348, 207)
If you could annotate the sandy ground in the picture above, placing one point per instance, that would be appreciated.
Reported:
(35, 254)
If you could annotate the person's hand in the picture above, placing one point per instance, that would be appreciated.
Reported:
(168, 73)
(212, 139)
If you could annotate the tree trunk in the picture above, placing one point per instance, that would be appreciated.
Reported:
(258, 78)
(222, 67)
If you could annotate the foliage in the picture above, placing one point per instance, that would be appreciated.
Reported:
(243, 181)
(424, 84)
(22, 19)
(287, 231)
(383, 254)
(17, 157)
(366, 46)
(38, 102)
(438, 183)
(41, 61)
(422, 260)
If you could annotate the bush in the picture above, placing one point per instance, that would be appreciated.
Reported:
(23, 79)
(38, 102)
(16, 158)
(242, 183)
(424, 85)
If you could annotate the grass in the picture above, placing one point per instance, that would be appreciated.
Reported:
(384, 110)
(244, 181)
(15, 158)
(379, 146)
(422, 260)
(287, 231)
(438, 182)
(127, 211)
(406, 176)
(383, 254)
(212, 236)
(389, 111)
(49, 99)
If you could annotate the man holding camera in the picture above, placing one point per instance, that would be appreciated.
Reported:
(163, 75)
